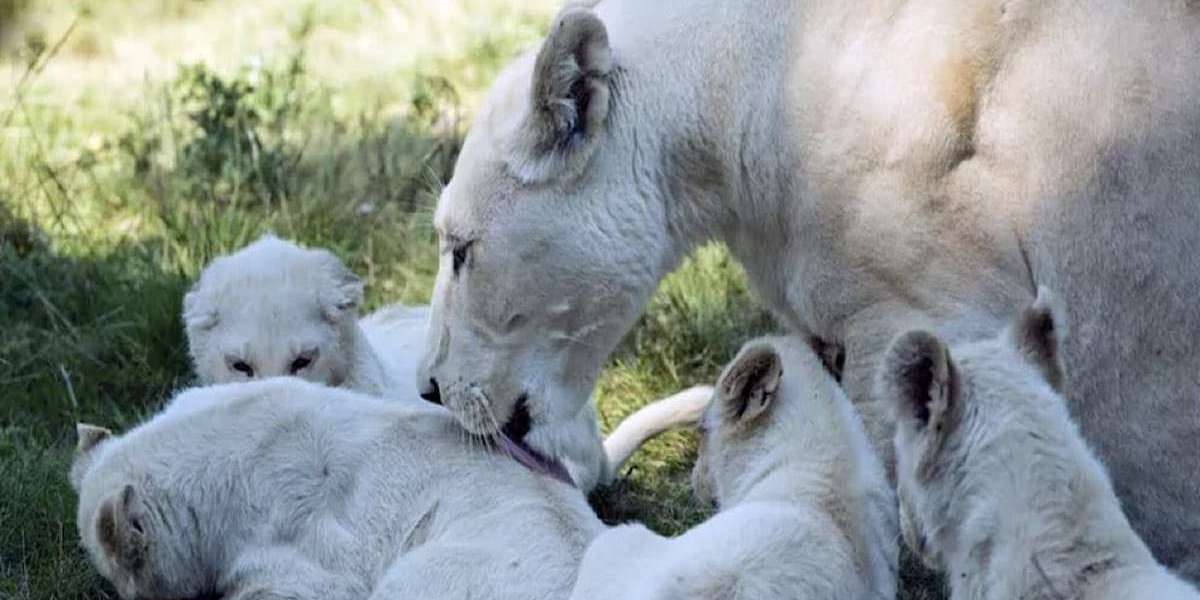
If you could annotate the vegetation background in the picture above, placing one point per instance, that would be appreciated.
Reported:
(139, 139)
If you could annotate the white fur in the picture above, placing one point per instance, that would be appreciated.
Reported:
(805, 508)
(875, 166)
(997, 487)
(273, 302)
(285, 489)
(677, 410)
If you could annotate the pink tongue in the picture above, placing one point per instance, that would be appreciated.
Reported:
(534, 462)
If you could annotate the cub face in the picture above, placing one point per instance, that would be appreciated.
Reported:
(966, 419)
(272, 309)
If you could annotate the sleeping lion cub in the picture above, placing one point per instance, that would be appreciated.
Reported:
(805, 509)
(996, 485)
(286, 489)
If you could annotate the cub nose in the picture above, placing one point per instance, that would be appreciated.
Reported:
(431, 393)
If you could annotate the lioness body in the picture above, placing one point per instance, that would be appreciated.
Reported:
(875, 166)
(805, 508)
(285, 489)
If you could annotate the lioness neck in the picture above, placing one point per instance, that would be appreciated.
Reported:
(753, 163)
(760, 136)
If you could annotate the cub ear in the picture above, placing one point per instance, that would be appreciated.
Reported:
(833, 356)
(120, 529)
(918, 377)
(569, 98)
(1038, 334)
(89, 436)
(198, 315)
(345, 294)
(750, 384)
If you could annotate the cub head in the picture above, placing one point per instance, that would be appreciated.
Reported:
(131, 529)
(774, 402)
(551, 238)
(272, 309)
(968, 421)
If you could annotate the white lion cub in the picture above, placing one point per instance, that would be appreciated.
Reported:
(805, 508)
(996, 485)
(274, 308)
(286, 489)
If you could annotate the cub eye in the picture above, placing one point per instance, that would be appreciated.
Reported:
(300, 363)
(244, 368)
(460, 255)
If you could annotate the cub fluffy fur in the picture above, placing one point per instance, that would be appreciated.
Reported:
(805, 508)
(274, 308)
(287, 489)
(996, 485)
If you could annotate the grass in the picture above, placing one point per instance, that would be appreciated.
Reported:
(138, 140)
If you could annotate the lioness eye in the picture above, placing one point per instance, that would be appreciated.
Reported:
(300, 363)
(242, 367)
(460, 255)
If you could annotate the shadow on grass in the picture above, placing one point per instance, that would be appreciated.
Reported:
(655, 489)
(93, 339)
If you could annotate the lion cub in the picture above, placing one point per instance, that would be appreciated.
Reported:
(996, 485)
(274, 308)
(282, 488)
(805, 510)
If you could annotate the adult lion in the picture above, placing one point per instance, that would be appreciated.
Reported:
(876, 167)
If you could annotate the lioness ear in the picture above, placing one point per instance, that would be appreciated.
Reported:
(120, 529)
(749, 385)
(569, 97)
(1038, 334)
(89, 436)
(346, 293)
(918, 377)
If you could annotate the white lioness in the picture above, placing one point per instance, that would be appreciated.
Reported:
(274, 308)
(805, 508)
(875, 166)
(996, 485)
(286, 489)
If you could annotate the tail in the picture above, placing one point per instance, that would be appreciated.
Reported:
(680, 409)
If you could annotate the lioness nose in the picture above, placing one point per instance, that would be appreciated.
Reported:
(432, 393)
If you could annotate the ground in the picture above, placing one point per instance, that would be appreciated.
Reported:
(138, 140)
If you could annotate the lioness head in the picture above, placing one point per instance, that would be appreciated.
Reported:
(972, 425)
(552, 239)
(139, 540)
(776, 402)
(272, 309)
